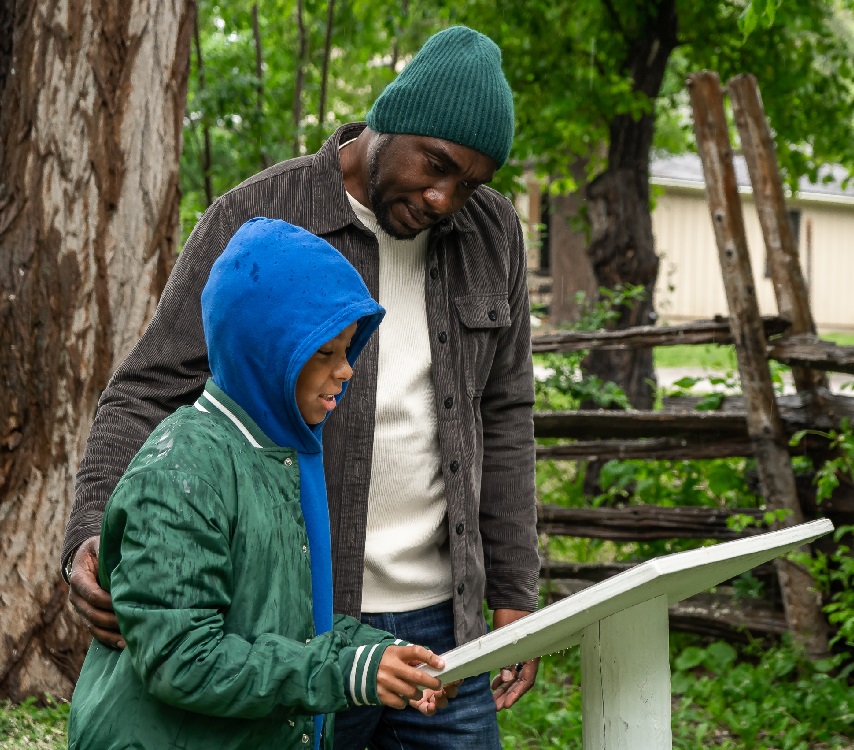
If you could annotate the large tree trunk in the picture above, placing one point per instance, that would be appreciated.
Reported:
(570, 265)
(621, 248)
(92, 98)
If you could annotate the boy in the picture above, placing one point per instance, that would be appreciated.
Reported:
(215, 544)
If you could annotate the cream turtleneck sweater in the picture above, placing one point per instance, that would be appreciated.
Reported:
(407, 561)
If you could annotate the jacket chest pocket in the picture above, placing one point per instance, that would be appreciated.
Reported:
(483, 317)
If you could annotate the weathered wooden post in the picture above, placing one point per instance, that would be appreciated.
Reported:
(790, 288)
(801, 602)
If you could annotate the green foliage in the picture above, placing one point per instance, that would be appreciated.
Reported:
(713, 483)
(834, 576)
(565, 386)
(570, 67)
(723, 697)
(569, 90)
(368, 40)
(756, 11)
(841, 442)
(549, 716)
(33, 726)
(762, 699)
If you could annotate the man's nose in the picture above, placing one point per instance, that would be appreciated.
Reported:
(441, 198)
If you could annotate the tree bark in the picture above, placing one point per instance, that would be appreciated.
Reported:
(206, 128)
(327, 53)
(92, 99)
(299, 78)
(621, 246)
(570, 264)
(395, 52)
(263, 159)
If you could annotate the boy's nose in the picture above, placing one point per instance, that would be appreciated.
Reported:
(343, 372)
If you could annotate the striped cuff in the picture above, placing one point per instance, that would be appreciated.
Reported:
(361, 664)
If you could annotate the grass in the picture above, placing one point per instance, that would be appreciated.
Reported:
(705, 356)
(721, 357)
(30, 726)
(722, 698)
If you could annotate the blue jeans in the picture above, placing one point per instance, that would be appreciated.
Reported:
(469, 721)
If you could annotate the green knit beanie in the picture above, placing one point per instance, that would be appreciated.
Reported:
(453, 89)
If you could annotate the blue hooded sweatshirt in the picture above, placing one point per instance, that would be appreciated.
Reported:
(273, 298)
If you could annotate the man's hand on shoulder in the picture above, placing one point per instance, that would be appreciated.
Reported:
(512, 682)
(93, 604)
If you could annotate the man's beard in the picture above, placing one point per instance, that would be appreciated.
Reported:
(382, 209)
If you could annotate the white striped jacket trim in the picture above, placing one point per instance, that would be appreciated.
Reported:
(360, 671)
(237, 423)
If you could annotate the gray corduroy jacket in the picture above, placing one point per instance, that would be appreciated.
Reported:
(478, 316)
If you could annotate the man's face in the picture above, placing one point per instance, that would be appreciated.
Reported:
(416, 181)
(321, 378)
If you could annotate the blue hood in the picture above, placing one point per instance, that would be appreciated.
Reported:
(275, 295)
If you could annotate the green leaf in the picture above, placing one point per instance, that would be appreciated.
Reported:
(747, 20)
(686, 382)
(719, 656)
(691, 657)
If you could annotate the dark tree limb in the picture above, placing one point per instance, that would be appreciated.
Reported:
(622, 249)
(808, 350)
(206, 131)
(327, 51)
(715, 331)
(637, 523)
(299, 77)
(263, 159)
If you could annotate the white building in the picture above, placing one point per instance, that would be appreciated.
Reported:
(690, 285)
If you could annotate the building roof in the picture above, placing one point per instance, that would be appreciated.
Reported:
(686, 170)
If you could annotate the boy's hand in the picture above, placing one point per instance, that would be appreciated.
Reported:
(432, 700)
(93, 604)
(399, 682)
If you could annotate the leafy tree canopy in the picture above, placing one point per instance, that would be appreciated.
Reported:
(571, 67)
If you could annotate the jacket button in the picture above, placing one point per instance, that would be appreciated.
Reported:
(443, 337)
(288, 461)
(305, 739)
(461, 588)
(492, 315)
(305, 548)
(434, 273)
(449, 402)
(455, 465)
(461, 527)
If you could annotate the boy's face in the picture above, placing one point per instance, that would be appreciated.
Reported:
(322, 376)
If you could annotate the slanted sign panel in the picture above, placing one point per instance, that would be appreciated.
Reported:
(671, 577)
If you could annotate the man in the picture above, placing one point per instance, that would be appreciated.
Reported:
(430, 462)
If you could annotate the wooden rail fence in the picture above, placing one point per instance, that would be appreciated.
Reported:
(757, 424)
